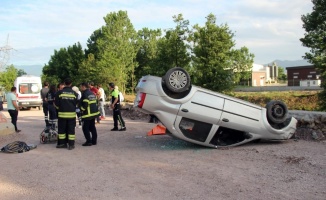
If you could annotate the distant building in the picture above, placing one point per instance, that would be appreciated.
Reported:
(273, 71)
(259, 74)
(262, 75)
(303, 76)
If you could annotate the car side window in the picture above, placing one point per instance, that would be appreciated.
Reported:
(195, 130)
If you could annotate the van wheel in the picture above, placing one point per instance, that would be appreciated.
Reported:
(177, 80)
(276, 112)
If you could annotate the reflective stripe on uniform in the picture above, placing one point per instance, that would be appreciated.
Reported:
(71, 137)
(89, 109)
(62, 136)
(67, 114)
(89, 102)
(120, 121)
(67, 95)
(91, 115)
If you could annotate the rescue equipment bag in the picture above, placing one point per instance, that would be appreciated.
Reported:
(17, 147)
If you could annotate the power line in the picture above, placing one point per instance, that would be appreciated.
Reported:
(5, 54)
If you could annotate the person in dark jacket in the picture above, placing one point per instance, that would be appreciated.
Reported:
(43, 93)
(52, 111)
(89, 109)
(94, 89)
(65, 102)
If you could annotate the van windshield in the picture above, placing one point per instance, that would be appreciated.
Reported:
(29, 88)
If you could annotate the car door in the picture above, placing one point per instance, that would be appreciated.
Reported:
(240, 115)
(238, 120)
(196, 117)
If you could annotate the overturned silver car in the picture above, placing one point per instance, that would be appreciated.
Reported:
(208, 118)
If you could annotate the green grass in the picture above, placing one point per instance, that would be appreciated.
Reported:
(295, 100)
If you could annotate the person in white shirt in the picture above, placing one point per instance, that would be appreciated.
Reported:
(101, 101)
(76, 89)
(12, 107)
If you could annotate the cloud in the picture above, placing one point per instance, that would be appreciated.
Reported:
(269, 28)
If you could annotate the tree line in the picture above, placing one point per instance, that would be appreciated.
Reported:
(116, 52)
(314, 24)
(8, 76)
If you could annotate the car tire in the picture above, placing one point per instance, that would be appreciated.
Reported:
(177, 80)
(276, 112)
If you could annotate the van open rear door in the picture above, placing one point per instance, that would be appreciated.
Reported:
(28, 91)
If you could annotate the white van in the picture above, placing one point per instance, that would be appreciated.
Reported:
(28, 91)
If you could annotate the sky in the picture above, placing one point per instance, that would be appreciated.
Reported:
(33, 29)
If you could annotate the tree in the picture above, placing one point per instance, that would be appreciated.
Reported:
(63, 64)
(212, 51)
(7, 77)
(117, 50)
(314, 24)
(242, 64)
(281, 75)
(92, 43)
(173, 48)
(117, 53)
(21, 72)
(147, 52)
(216, 64)
(178, 42)
(88, 72)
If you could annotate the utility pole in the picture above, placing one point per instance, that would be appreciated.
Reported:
(5, 54)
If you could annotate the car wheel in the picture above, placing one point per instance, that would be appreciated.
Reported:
(276, 112)
(177, 80)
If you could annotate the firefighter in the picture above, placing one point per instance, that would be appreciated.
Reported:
(65, 102)
(89, 108)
